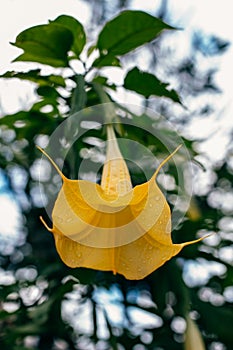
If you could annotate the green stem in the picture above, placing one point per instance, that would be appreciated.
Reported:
(109, 110)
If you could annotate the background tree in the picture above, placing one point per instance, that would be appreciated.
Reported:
(44, 301)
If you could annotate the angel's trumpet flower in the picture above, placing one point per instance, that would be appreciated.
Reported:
(113, 226)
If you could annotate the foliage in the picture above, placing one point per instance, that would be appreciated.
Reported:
(42, 284)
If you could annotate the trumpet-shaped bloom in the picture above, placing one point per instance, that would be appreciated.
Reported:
(113, 226)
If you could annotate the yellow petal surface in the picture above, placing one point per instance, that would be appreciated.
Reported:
(115, 178)
(113, 227)
(135, 260)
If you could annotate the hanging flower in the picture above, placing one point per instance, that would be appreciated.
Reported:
(113, 226)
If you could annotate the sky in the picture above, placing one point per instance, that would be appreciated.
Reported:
(211, 17)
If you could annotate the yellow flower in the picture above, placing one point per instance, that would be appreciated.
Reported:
(112, 226)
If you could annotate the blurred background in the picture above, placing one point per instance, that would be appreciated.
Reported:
(46, 305)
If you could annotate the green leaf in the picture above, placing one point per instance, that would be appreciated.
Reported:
(128, 31)
(100, 80)
(215, 319)
(49, 92)
(57, 80)
(47, 101)
(40, 313)
(104, 81)
(29, 329)
(77, 30)
(46, 44)
(148, 84)
(28, 124)
(35, 77)
(106, 61)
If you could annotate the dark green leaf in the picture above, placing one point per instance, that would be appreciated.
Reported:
(128, 31)
(47, 101)
(148, 84)
(105, 61)
(29, 329)
(40, 313)
(28, 124)
(100, 80)
(104, 81)
(77, 30)
(34, 76)
(48, 91)
(57, 80)
(47, 44)
(215, 319)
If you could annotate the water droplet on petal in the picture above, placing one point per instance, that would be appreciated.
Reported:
(69, 220)
(59, 220)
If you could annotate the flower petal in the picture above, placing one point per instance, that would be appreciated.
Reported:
(113, 227)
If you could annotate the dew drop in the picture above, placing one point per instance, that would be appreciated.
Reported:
(157, 198)
(59, 220)
(69, 220)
